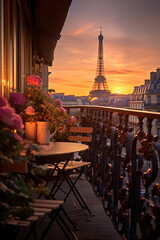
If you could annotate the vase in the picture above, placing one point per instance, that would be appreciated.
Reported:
(31, 130)
(43, 132)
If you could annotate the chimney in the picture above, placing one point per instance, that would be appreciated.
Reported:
(158, 74)
(153, 76)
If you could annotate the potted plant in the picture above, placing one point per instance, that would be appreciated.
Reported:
(42, 110)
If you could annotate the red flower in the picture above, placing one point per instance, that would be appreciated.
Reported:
(34, 80)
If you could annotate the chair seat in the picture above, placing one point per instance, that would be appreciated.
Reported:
(74, 165)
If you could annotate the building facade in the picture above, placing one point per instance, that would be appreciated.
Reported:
(147, 98)
(66, 99)
(152, 99)
(29, 30)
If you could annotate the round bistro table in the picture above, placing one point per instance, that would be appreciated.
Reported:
(53, 155)
(60, 148)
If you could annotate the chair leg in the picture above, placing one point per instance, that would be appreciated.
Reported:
(56, 187)
(72, 189)
(54, 216)
(77, 194)
(69, 219)
(67, 227)
(32, 229)
(63, 230)
(71, 184)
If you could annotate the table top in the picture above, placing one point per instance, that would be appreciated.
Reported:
(60, 148)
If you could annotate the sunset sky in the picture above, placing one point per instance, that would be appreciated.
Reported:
(131, 31)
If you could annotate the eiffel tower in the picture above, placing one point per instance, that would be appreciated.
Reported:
(100, 87)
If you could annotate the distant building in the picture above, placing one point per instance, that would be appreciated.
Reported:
(66, 99)
(137, 101)
(84, 100)
(119, 100)
(113, 100)
(147, 97)
(152, 99)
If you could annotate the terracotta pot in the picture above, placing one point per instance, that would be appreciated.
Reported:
(31, 130)
(43, 132)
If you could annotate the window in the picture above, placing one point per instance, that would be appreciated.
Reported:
(152, 86)
(158, 86)
(149, 99)
(15, 46)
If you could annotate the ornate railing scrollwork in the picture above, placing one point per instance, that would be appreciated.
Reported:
(124, 169)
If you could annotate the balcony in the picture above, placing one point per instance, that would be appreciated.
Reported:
(125, 173)
(152, 105)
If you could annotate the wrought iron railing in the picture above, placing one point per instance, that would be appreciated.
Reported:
(124, 169)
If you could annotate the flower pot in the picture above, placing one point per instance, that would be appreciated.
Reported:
(43, 132)
(31, 130)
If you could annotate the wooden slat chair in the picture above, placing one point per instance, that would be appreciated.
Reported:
(41, 209)
(77, 166)
(82, 135)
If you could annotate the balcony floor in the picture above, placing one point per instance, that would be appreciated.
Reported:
(97, 227)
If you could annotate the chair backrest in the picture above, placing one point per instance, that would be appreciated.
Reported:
(80, 134)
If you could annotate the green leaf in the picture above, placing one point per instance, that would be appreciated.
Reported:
(5, 189)
(43, 190)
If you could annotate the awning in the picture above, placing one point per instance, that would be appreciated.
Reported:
(50, 18)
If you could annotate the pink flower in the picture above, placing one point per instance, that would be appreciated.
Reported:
(73, 119)
(30, 110)
(34, 80)
(58, 102)
(26, 146)
(48, 94)
(3, 102)
(10, 118)
(62, 109)
(62, 130)
(17, 99)
(18, 138)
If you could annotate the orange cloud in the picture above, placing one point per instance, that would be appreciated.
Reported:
(124, 72)
(77, 85)
(73, 50)
(128, 57)
(83, 29)
(57, 80)
(74, 69)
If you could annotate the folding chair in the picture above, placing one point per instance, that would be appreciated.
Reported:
(76, 166)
